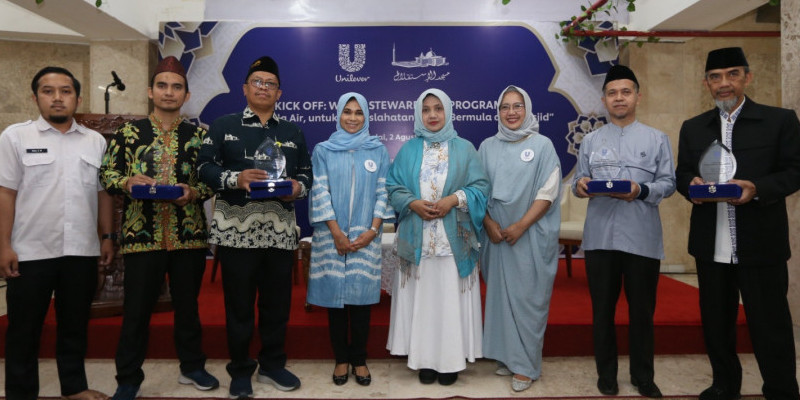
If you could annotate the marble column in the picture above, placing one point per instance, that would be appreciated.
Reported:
(790, 75)
(131, 60)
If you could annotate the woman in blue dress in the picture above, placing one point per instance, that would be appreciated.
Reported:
(348, 204)
(519, 254)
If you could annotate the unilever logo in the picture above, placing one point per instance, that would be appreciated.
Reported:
(354, 65)
(360, 57)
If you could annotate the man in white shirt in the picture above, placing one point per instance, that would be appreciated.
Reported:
(50, 202)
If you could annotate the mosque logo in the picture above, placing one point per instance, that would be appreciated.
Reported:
(359, 57)
(429, 59)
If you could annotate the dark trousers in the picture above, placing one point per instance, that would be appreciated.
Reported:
(262, 277)
(73, 281)
(763, 289)
(144, 277)
(608, 271)
(349, 329)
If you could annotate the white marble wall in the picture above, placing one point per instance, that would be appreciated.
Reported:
(20, 61)
(131, 61)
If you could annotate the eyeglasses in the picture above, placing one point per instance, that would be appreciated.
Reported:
(517, 107)
(259, 84)
(732, 75)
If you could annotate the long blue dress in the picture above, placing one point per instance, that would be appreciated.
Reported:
(519, 278)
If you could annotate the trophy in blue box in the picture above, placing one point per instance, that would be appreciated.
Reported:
(153, 164)
(717, 166)
(605, 167)
(269, 157)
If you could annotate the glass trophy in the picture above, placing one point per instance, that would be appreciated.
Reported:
(605, 167)
(717, 164)
(269, 157)
(151, 164)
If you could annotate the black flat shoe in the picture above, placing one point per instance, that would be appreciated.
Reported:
(448, 378)
(608, 388)
(647, 389)
(362, 380)
(427, 376)
(718, 393)
(340, 380)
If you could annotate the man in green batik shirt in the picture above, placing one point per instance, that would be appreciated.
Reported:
(160, 237)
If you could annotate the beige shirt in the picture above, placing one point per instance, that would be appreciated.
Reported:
(56, 179)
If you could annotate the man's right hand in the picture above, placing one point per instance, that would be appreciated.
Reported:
(138, 179)
(697, 181)
(9, 263)
(250, 175)
(581, 187)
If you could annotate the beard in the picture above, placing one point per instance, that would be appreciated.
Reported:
(726, 105)
(57, 119)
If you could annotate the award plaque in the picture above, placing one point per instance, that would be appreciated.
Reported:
(150, 164)
(717, 164)
(605, 167)
(270, 158)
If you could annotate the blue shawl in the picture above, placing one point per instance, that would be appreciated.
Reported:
(464, 172)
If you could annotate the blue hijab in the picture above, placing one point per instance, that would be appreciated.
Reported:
(447, 132)
(342, 140)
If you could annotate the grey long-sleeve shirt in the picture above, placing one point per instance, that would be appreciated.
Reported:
(645, 157)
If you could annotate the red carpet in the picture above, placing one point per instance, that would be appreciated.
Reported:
(569, 331)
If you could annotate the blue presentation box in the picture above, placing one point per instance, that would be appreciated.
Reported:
(608, 186)
(157, 192)
(717, 192)
(267, 189)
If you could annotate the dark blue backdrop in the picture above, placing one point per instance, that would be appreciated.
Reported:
(475, 63)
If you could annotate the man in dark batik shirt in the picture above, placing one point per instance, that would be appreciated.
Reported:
(255, 238)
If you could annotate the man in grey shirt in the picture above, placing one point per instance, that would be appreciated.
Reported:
(622, 236)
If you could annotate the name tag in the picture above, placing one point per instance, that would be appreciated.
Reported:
(35, 151)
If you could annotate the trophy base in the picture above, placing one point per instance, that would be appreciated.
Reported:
(157, 192)
(267, 189)
(601, 187)
(717, 192)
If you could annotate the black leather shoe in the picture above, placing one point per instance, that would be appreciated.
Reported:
(448, 378)
(647, 389)
(362, 380)
(340, 380)
(607, 387)
(427, 376)
(718, 393)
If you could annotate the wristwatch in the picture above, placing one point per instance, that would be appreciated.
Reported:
(374, 229)
(112, 236)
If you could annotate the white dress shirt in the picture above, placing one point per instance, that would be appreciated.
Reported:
(56, 178)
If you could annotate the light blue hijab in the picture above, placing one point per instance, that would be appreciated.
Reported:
(529, 126)
(342, 140)
(447, 132)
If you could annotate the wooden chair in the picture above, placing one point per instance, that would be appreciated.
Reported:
(573, 214)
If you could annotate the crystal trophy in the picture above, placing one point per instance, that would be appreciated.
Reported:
(717, 164)
(153, 164)
(605, 168)
(269, 157)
